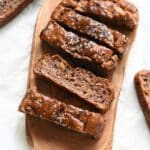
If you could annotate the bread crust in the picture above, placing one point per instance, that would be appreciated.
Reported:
(116, 12)
(99, 59)
(68, 116)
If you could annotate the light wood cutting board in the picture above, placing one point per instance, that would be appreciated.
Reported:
(43, 135)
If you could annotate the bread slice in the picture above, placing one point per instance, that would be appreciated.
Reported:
(10, 8)
(94, 30)
(142, 84)
(99, 59)
(115, 12)
(90, 88)
(67, 116)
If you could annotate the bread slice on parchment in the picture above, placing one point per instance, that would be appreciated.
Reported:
(142, 84)
(10, 8)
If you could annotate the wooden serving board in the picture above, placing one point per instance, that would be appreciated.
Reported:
(43, 135)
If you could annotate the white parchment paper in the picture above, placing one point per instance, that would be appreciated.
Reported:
(131, 131)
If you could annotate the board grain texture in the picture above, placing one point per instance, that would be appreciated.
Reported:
(43, 135)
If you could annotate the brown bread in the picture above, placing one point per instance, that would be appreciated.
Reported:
(90, 28)
(90, 88)
(67, 116)
(96, 58)
(115, 12)
(142, 84)
(10, 8)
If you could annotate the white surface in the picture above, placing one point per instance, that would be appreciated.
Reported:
(131, 132)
